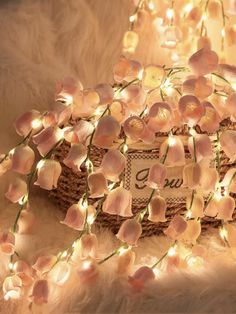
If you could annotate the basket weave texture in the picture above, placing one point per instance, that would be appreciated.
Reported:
(72, 185)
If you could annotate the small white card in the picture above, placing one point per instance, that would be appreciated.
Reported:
(136, 174)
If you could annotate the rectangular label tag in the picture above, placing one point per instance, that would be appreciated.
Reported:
(136, 174)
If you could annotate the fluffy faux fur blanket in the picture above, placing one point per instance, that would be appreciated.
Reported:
(41, 41)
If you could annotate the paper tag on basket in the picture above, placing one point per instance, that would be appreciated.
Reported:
(136, 174)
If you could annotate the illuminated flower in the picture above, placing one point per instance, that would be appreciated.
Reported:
(79, 133)
(26, 222)
(201, 87)
(203, 62)
(88, 246)
(172, 152)
(204, 42)
(209, 178)
(194, 16)
(66, 88)
(214, 9)
(113, 164)
(192, 231)
(210, 121)
(76, 156)
(84, 104)
(125, 262)
(97, 184)
(16, 190)
(176, 227)
(212, 207)
(107, 131)
(22, 159)
(24, 271)
(75, 216)
(87, 271)
(105, 92)
(7, 242)
(5, 165)
(228, 143)
(48, 173)
(157, 175)
(60, 273)
(130, 231)
(160, 117)
(130, 41)
(25, 123)
(229, 181)
(200, 144)
(47, 139)
(12, 286)
(192, 173)
(171, 37)
(157, 209)
(195, 205)
(230, 35)
(61, 112)
(40, 292)
(118, 202)
(231, 234)
(136, 129)
(119, 110)
(153, 76)
(191, 110)
(142, 275)
(126, 70)
(44, 263)
(231, 103)
(134, 97)
(226, 208)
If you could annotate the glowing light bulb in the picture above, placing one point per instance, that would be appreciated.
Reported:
(83, 204)
(11, 152)
(122, 250)
(189, 214)
(192, 132)
(223, 32)
(64, 254)
(111, 186)
(170, 14)
(40, 164)
(151, 6)
(223, 233)
(91, 219)
(204, 17)
(89, 164)
(11, 266)
(171, 140)
(36, 123)
(125, 148)
(86, 264)
(157, 272)
(132, 18)
(188, 7)
(218, 195)
(171, 251)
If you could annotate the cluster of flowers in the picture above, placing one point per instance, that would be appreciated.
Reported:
(179, 24)
(143, 102)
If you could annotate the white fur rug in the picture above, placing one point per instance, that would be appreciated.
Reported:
(41, 41)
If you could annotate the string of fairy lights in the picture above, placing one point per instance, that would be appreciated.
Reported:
(99, 115)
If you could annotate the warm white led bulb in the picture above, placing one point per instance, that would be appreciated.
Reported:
(170, 14)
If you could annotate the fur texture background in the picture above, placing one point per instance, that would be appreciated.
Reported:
(41, 41)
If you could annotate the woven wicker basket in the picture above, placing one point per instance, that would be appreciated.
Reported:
(71, 186)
